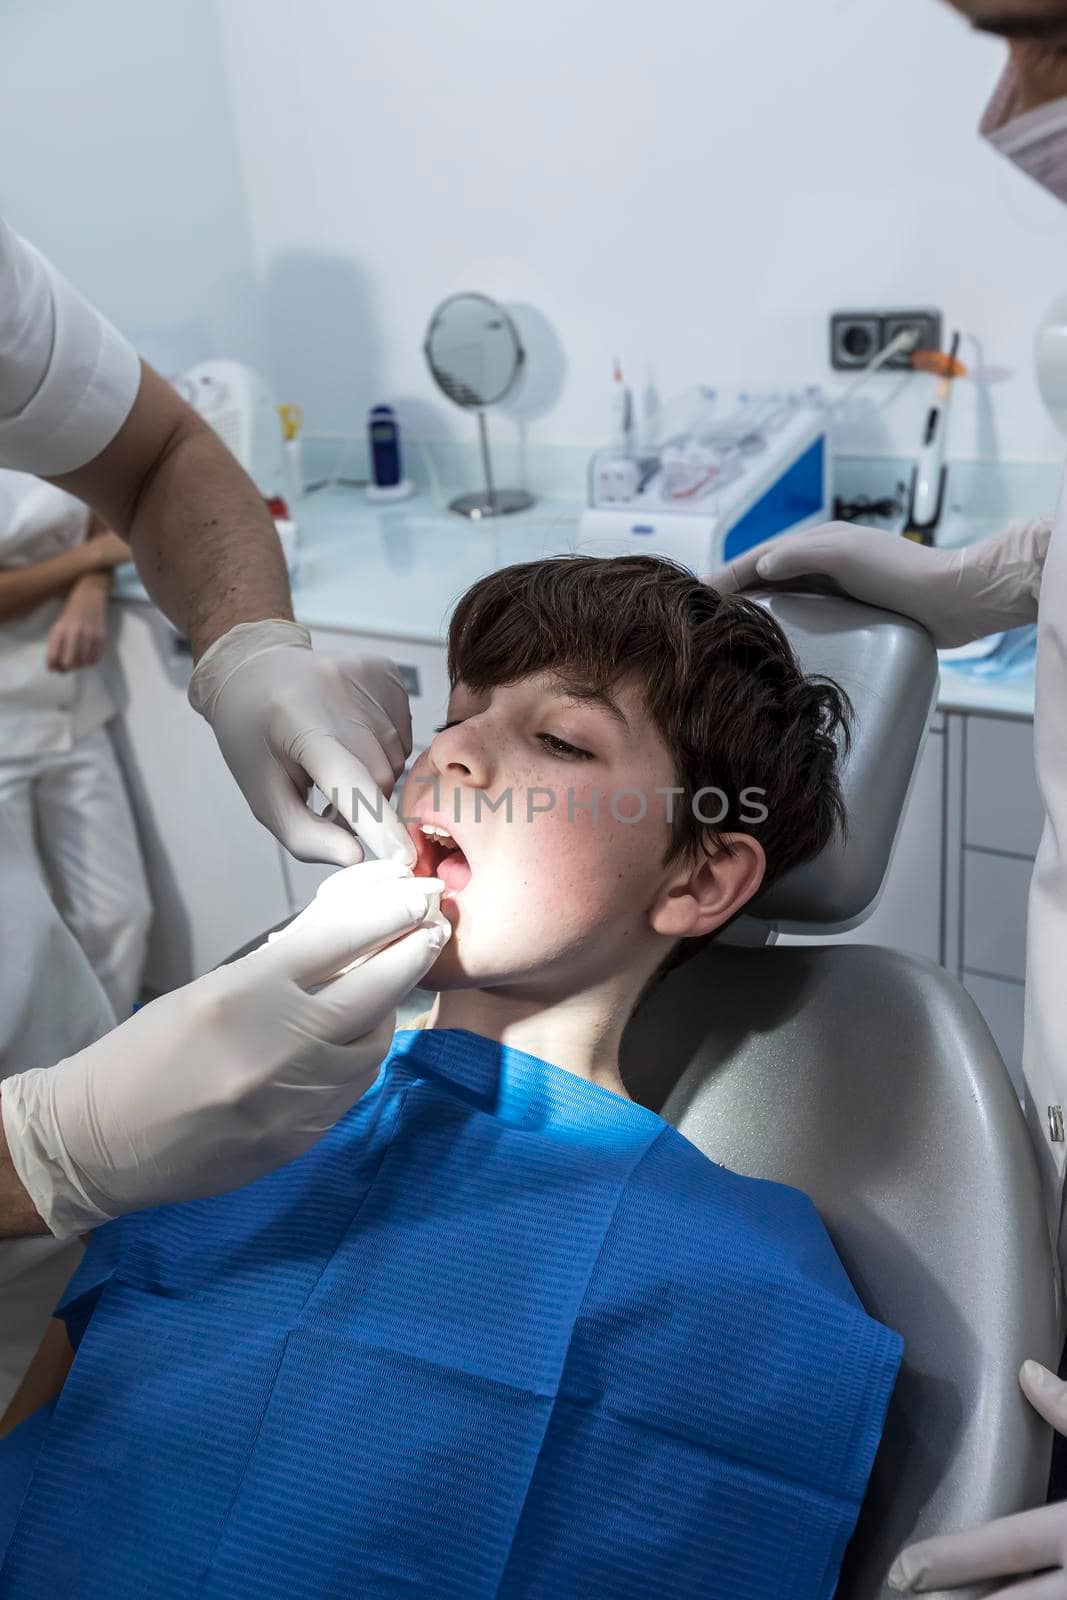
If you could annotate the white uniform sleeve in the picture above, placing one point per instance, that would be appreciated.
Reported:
(1045, 1035)
(68, 379)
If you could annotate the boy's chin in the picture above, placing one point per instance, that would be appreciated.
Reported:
(447, 971)
(456, 968)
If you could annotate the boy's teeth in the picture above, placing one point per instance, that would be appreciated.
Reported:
(432, 831)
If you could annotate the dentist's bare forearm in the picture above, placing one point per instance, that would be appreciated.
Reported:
(205, 543)
(203, 540)
(19, 1218)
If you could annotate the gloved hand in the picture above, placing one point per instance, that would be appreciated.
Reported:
(287, 717)
(957, 595)
(215, 1084)
(1031, 1541)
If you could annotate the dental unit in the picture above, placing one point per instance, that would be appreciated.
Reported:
(726, 474)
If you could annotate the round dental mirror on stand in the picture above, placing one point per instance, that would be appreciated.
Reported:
(476, 356)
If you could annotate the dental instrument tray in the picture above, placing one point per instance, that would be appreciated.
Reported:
(726, 476)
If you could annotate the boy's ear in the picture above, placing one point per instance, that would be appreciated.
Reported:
(705, 893)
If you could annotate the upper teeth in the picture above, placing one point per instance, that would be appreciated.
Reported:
(434, 832)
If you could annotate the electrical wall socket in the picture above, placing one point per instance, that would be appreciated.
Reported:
(857, 336)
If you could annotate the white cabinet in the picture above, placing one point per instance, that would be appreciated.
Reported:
(908, 914)
(995, 893)
(1002, 806)
(987, 884)
(215, 874)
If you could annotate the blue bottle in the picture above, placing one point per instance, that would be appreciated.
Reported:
(386, 466)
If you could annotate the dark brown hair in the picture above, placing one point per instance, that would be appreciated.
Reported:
(717, 674)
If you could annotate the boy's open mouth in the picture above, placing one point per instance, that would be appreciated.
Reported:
(439, 856)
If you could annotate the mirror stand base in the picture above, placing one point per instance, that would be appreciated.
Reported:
(500, 503)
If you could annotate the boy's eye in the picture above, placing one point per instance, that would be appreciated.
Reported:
(557, 747)
(560, 747)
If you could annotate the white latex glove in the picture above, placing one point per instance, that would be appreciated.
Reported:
(1013, 1547)
(287, 717)
(215, 1084)
(957, 595)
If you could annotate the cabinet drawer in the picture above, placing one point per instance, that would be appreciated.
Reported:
(1001, 1004)
(995, 894)
(1002, 809)
(423, 668)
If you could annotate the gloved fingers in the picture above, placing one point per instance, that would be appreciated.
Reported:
(734, 576)
(351, 881)
(371, 1048)
(349, 1070)
(812, 558)
(357, 1002)
(306, 836)
(402, 754)
(356, 792)
(799, 561)
(349, 777)
(378, 681)
(1049, 1586)
(347, 883)
(1028, 1542)
(393, 751)
(339, 928)
(1046, 1393)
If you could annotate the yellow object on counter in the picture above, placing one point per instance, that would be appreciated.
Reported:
(292, 421)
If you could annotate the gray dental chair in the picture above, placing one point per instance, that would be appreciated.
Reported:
(869, 1079)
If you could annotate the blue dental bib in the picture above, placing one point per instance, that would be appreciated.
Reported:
(500, 1333)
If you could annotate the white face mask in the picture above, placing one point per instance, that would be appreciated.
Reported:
(1035, 140)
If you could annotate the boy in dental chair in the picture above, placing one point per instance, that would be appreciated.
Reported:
(501, 1332)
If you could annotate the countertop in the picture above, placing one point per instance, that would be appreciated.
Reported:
(395, 571)
(398, 570)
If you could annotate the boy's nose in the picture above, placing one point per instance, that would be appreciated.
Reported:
(457, 755)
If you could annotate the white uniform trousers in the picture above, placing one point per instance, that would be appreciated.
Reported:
(72, 814)
(51, 1005)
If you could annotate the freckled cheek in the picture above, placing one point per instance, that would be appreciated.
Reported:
(578, 868)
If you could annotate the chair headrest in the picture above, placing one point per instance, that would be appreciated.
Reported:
(887, 665)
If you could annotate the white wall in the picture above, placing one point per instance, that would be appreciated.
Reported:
(121, 164)
(693, 184)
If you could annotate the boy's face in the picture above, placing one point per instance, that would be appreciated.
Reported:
(545, 895)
